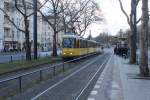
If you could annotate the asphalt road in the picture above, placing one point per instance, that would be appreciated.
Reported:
(66, 86)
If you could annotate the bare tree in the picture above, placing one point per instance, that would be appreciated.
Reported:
(144, 70)
(74, 13)
(63, 16)
(23, 7)
(66, 15)
(103, 38)
(81, 14)
(88, 16)
(132, 21)
(54, 19)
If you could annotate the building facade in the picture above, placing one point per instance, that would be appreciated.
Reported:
(12, 39)
(47, 36)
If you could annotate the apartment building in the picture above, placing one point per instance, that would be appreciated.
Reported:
(13, 39)
(47, 36)
(10, 37)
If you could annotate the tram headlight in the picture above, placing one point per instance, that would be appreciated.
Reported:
(64, 53)
(71, 53)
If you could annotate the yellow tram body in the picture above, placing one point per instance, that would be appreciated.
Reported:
(75, 46)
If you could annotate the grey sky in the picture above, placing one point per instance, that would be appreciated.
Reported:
(115, 18)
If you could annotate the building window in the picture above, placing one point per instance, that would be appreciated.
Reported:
(7, 33)
(6, 21)
(7, 6)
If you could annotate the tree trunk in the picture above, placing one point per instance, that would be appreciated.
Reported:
(27, 37)
(133, 35)
(54, 45)
(54, 36)
(132, 45)
(144, 70)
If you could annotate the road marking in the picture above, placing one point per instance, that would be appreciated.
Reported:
(40, 94)
(99, 82)
(94, 92)
(97, 86)
(100, 79)
(91, 99)
(109, 59)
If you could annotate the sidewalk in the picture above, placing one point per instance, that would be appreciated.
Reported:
(134, 87)
(119, 81)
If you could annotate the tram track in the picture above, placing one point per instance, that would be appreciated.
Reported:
(83, 95)
(11, 88)
(74, 78)
(71, 75)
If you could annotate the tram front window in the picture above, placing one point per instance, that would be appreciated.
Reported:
(68, 43)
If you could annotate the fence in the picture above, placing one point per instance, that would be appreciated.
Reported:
(20, 82)
(18, 57)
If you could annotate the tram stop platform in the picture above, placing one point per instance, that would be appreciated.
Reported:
(120, 81)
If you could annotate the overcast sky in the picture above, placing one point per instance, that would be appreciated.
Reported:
(115, 20)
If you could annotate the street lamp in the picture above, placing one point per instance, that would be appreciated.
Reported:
(35, 28)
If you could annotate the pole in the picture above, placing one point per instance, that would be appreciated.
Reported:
(35, 28)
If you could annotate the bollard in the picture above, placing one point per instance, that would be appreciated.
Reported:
(137, 60)
(63, 67)
(20, 84)
(11, 58)
(40, 75)
(22, 57)
(54, 71)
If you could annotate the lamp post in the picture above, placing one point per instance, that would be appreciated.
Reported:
(35, 28)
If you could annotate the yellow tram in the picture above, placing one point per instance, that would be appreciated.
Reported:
(75, 46)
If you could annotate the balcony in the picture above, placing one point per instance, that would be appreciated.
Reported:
(8, 38)
(7, 25)
(8, 1)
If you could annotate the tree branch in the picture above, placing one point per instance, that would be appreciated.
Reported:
(124, 12)
(45, 18)
(12, 21)
(16, 5)
(138, 20)
(137, 2)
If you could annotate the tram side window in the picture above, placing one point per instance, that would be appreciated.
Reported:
(92, 44)
(89, 44)
(84, 43)
(81, 43)
(77, 44)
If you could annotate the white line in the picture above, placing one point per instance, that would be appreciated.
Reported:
(97, 86)
(93, 77)
(94, 92)
(40, 94)
(99, 82)
(91, 99)
(101, 78)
